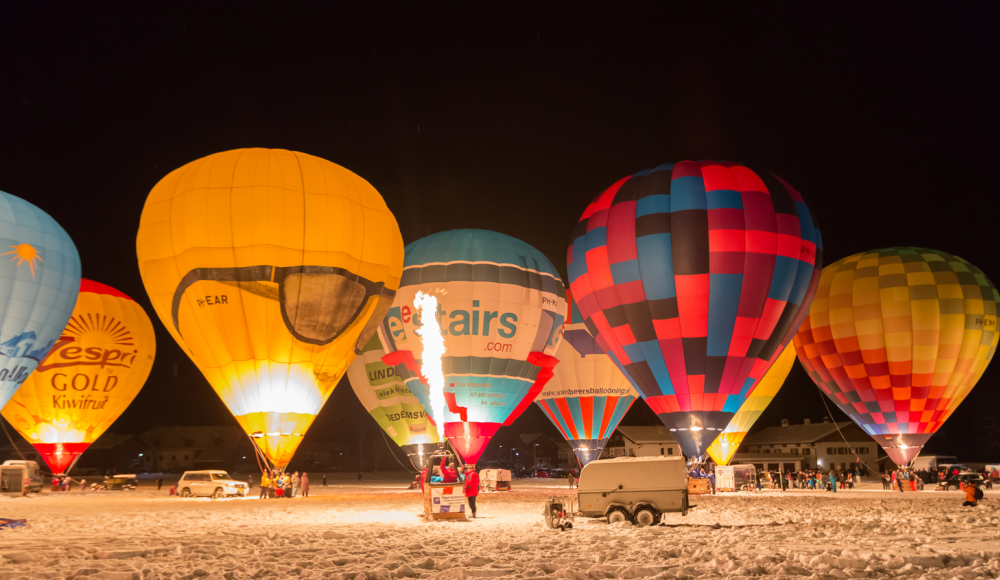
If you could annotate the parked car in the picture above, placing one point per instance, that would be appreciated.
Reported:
(125, 482)
(636, 489)
(541, 473)
(210, 483)
(558, 473)
(34, 473)
(951, 483)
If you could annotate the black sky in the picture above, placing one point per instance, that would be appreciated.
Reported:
(509, 117)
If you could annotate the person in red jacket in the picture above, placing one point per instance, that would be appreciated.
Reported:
(448, 473)
(423, 478)
(471, 487)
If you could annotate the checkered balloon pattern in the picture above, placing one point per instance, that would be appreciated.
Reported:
(692, 277)
(897, 338)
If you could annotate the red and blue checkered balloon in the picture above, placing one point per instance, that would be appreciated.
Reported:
(693, 277)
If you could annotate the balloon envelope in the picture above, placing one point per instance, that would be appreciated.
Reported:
(692, 277)
(501, 305)
(39, 278)
(897, 338)
(725, 445)
(389, 401)
(88, 379)
(589, 395)
(267, 266)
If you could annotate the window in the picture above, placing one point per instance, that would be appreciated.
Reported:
(831, 450)
(767, 451)
(863, 450)
(661, 451)
(843, 450)
(173, 458)
(806, 451)
(795, 451)
(670, 451)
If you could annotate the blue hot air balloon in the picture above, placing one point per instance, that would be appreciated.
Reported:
(39, 282)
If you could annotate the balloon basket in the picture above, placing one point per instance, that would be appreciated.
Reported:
(443, 501)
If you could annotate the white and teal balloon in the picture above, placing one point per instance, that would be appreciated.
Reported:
(39, 283)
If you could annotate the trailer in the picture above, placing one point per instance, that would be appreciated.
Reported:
(741, 477)
(494, 480)
(636, 489)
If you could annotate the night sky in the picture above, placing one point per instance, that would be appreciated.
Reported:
(512, 118)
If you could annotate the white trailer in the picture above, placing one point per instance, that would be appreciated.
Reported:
(735, 477)
(636, 489)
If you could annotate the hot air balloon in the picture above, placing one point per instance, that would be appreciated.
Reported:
(390, 402)
(897, 338)
(40, 278)
(500, 307)
(271, 269)
(88, 378)
(725, 445)
(587, 396)
(692, 277)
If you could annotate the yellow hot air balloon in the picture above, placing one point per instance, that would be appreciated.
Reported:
(271, 268)
(87, 380)
(726, 444)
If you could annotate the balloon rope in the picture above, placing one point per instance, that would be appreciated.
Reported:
(858, 456)
(265, 469)
(391, 451)
(7, 433)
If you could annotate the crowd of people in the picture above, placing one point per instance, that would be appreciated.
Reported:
(275, 485)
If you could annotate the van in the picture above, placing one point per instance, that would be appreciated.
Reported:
(635, 489)
(34, 473)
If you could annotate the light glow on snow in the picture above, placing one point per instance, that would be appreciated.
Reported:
(430, 366)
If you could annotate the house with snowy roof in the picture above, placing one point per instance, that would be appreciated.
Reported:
(824, 446)
(19, 345)
(628, 441)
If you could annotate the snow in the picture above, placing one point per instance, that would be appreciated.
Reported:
(372, 532)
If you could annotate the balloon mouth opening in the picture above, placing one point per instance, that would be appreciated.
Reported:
(261, 435)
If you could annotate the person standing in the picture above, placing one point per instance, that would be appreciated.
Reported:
(296, 483)
(471, 487)
(571, 479)
(833, 481)
(159, 483)
(83, 485)
(264, 483)
(359, 477)
(250, 481)
(324, 480)
(25, 485)
(711, 480)
(304, 484)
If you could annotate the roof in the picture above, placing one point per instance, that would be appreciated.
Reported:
(192, 437)
(769, 456)
(795, 433)
(109, 441)
(647, 434)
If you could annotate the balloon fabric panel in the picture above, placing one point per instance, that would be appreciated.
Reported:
(897, 338)
(270, 268)
(387, 398)
(39, 282)
(728, 442)
(88, 379)
(692, 277)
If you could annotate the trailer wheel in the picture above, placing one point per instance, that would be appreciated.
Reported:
(617, 516)
(646, 517)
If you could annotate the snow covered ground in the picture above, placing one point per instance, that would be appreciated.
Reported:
(372, 532)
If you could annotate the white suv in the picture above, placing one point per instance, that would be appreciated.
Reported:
(211, 483)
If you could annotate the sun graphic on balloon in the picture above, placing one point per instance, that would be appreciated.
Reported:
(25, 253)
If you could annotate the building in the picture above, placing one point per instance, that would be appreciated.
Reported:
(537, 450)
(176, 449)
(640, 442)
(809, 446)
